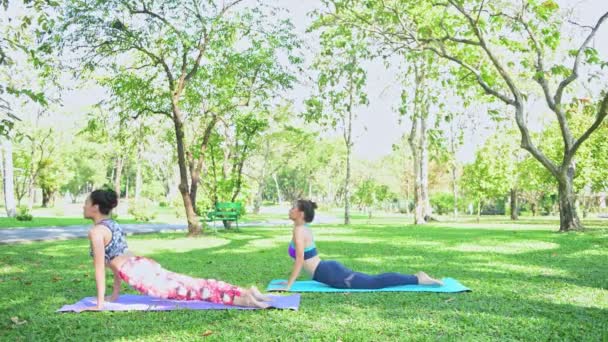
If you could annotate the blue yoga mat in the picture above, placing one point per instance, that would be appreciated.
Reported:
(450, 285)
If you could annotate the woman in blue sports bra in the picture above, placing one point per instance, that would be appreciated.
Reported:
(304, 252)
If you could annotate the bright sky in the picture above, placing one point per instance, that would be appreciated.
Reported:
(377, 128)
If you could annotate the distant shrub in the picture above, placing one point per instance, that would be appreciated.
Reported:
(23, 214)
(142, 210)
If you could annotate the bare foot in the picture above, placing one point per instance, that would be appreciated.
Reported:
(258, 295)
(424, 279)
(247, 299)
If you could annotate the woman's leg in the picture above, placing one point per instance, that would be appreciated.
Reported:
(332, 273)
(249, 298)
(259, 295)
(148, 277)
(425, 279)
(336, 275)
(365, 281)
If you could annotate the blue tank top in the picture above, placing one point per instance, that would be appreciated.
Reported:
(117, 245)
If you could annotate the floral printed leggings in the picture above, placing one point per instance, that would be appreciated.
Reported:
(148, 277)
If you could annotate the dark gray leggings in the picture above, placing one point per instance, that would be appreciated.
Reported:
(337, 275)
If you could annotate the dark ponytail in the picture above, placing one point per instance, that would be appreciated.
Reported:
(105, 199)
(308, 207)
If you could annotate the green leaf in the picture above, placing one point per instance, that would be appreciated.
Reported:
(560, 70)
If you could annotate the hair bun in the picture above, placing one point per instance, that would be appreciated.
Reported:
(112, 198)
(313, 204)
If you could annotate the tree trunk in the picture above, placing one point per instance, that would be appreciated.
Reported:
(514, 205)
(227, 153)
(418, 203)
(407, 197)
(455, 190)
(239, 176)
(331, 196)
(195, 179)
(47, 197)
(9, 186)
(347, 188)
(584, 205)
(567, 207)
(276, 183)
(479, 210)
(422, 211)
(200, 167)
(257, 201)
(418, 145)
(31, 195)
(602, 202)
(138, 177)
(424, 171)
(419, 206)
(118, 174)
(348, 141)
(125, 208)
(453, 165)
(172, 183)
(194, 227)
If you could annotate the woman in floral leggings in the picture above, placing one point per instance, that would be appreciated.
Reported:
(109, 249)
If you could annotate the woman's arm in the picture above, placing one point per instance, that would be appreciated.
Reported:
(298, 241)
(97, 243)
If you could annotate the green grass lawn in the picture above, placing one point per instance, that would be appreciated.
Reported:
(8, 222)
(528, 282)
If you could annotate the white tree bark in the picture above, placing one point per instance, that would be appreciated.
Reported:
(419, 146)
(9, 186)
(276, 183)
(138, 177)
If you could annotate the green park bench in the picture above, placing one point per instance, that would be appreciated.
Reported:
(225, 211)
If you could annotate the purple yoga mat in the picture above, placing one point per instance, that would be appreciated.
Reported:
(130, 302)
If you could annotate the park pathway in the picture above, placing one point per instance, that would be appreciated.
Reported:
(21, 235)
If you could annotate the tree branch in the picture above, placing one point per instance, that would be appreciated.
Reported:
(540, 67)
(577, 61)
(499, 67)
(479, 11)
(202, 47)
(489, 90)
(155, 15)
(528, 145)
(137, 45)
(205, 142)
(226, 7)
(542, 81)
(150, 110)
(452, 39)
(580, 25)
(601, 115)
